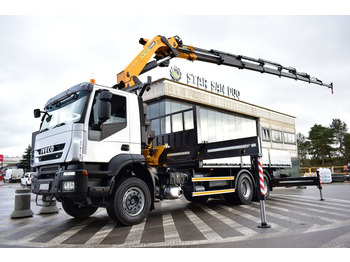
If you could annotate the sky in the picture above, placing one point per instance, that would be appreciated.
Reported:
(44, 53)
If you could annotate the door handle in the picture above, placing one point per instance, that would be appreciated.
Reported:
(125, 147)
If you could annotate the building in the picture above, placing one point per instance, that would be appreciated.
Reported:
(8, 162)
(220, 117)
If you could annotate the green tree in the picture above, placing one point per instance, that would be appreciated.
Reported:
(339, 130)
(347, 148)
(303, 149)
(321, 141)
(25, 161)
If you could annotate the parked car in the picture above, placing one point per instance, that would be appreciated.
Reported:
(13, 175)
(26, 180)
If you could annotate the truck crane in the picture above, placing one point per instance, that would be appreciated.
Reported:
(95, 145)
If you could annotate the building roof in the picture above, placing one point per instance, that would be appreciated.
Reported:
(208, 98)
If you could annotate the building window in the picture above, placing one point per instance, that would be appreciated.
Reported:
(166, 125)
(177, 122)
(276, 136)
(165, 120)
(217, 126)
(175, 106)
(289, 138)
(188, 120)
(155, 126)
(266, 134)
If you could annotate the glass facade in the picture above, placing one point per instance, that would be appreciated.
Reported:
(163, 119)
(217, 126)
(213, 126)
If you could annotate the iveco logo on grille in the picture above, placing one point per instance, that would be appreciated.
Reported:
(46, 150)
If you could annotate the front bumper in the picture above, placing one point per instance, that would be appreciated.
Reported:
(61, 182)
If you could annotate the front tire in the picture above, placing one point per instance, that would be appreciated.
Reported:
(77, 211)
(130, 203)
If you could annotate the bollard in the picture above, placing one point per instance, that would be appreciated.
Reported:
(22, 204)
(49, 206)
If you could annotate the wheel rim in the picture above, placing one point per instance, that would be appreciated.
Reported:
(133, 201)
(245, 189)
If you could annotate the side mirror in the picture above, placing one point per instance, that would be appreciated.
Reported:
(104, 108)
(37, 113)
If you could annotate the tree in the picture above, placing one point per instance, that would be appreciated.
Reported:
(303, 149)
(347, 148)
(339, 130)
(321, 141)
(25, 161)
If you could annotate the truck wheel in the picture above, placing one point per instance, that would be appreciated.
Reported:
(130, 202)
(244, 191)
(77, 211)
(267, 186)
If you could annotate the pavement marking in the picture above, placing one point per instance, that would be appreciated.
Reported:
(270, 213)
(231, 223)
(255, 219)
(318, 210)
(101, 234)
(135, 234)
(70, 232)
(325, 204)
(202, 226)
(299, 213)
(333, 201)
(339, 242)
(170, 232)
(202, 217)
(316, 228)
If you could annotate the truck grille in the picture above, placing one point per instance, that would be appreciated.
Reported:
(50, 152)
(48, 172)
(50, 157)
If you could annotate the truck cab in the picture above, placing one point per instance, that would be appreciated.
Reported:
(87, 131)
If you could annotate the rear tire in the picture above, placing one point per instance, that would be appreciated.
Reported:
(244, 191)
(77, 211)
(130, 202)
(267, 186)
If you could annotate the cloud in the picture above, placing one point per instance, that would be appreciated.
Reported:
(44, 55)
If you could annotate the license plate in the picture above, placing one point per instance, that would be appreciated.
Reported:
(44, 186)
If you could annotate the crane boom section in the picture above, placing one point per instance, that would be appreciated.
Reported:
(159, 45)
(245, 62)
(164, 49)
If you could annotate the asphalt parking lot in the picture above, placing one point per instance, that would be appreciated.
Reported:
(297, 217)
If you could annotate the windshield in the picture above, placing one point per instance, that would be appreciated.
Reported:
(67, 110)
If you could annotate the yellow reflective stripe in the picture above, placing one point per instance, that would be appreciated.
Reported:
(201, 179)
(214, 192)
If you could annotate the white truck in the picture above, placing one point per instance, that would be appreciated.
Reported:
(95, 146)
(13, 175)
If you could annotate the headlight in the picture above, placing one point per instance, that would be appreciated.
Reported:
(68, 186)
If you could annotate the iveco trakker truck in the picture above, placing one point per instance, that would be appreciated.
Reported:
(95, 145)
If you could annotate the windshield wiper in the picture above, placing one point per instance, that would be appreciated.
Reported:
(60, 124)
